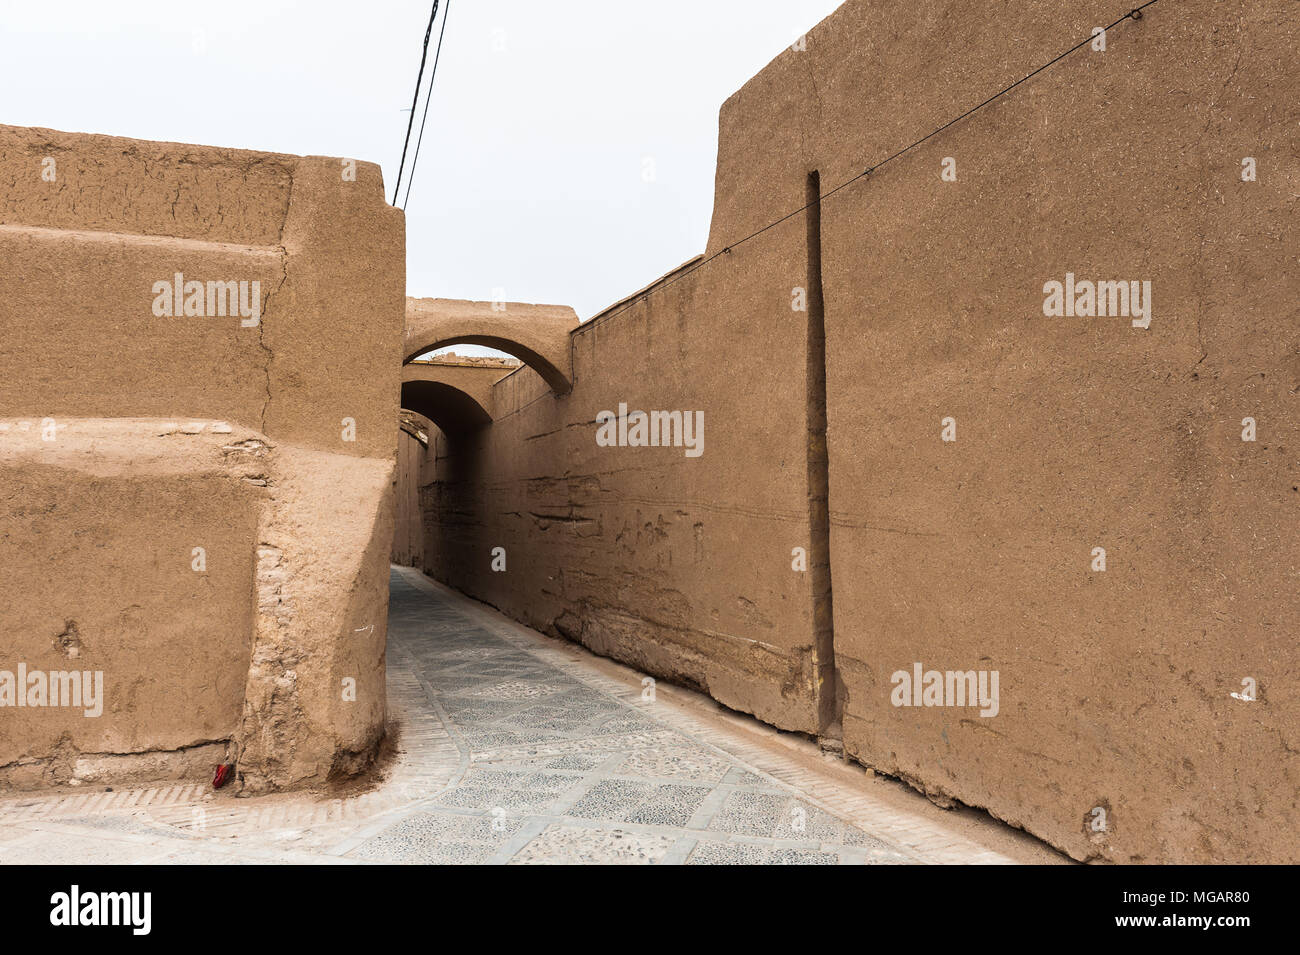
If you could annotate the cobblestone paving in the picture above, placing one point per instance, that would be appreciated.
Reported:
(515, 751)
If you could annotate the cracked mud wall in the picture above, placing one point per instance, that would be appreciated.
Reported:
(1072, 433)
(173, 645)
(321, 613)
(269, 446)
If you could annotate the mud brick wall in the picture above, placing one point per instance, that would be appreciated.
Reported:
(972, 456)
(197, 500)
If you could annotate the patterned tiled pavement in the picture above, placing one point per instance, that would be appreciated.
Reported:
(515, 749)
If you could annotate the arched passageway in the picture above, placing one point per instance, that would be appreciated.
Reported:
(538, 335)
(456, 403)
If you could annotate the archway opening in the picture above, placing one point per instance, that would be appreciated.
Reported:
(554, 378)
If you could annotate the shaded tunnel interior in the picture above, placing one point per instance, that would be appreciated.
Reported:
(454, 411)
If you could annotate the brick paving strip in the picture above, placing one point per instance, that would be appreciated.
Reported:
(516, 748)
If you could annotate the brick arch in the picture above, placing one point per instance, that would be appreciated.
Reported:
(537, 335)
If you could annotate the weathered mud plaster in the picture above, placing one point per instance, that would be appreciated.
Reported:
(135, 441)
(1116, 686)
(321, 595)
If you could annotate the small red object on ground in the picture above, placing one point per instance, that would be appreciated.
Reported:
(223, 775)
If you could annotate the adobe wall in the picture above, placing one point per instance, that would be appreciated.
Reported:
(471, 379)
(199, 504)
(646, 554)
(408, 522)
(1072, 433)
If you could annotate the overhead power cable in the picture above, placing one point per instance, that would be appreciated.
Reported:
(1134, 14)
(433, 74)
(410, 123)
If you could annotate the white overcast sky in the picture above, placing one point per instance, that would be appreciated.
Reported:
(543, 114)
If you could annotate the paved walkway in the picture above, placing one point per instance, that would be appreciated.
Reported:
(519, 749)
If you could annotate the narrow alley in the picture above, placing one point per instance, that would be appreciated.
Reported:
(511, 747)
